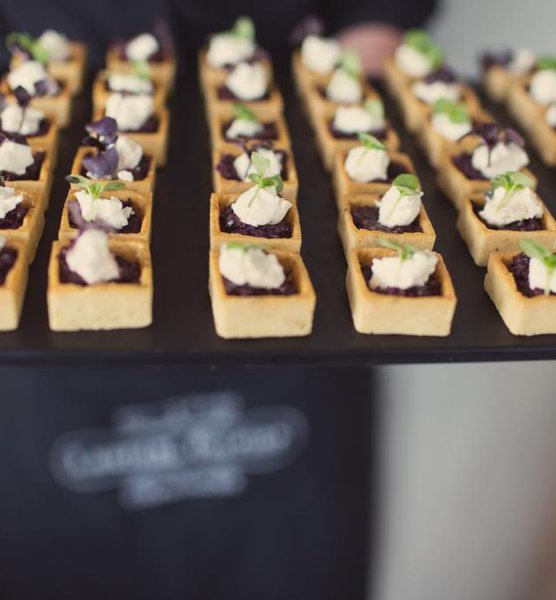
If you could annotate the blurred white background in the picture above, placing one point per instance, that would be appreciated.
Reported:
(469, 496)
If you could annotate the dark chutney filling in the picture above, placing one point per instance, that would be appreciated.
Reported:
(366, 217)
(431, 288)
(32, 172)
(8, 256)
(231, 223)
(519, 268)
(130, 271)
(139, 172)
(14, 219)
(523, 225)
(462, 162)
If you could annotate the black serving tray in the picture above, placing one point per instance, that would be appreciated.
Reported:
(183, 331)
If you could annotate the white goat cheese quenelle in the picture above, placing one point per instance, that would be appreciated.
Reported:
(250, 266)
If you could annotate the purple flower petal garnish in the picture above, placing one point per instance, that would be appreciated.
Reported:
(310, 25)
(22, 96)
(42, 87)
(106, 127)
(103, 164)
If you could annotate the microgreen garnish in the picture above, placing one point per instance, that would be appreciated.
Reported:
(456, 112)
(535, 250)
(407, 185)
(242, 113)
(261, 165)
(546, 63)
(404, 251)
(28, 44)
(141, 69)
(244, 28)
(375, 108)
(350, 63)
(369, 142)
(420, 40)
(94, 188)
(511, 182)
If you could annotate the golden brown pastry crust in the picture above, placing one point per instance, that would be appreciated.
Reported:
(267, 109)
(483, 241)
(521, 314)
(32, 227)
(102, 306)
(219, 237)
(352, 237)
(43, 184)
(12, 292)
(263, 316)
(217, 124)
(375, 313)
(140, 201)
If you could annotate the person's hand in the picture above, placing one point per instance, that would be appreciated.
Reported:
(374, 42)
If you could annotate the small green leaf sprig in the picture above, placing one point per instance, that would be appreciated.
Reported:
(546, 63)
(375, 107)
(141, 69)
(407, 184)
(511, 181)
(31, 45)
(350, 63)
(421, 41)
(244, 28)
(535, 250)
(95, 188)
(261, 165)
(242, 113)
(405, 251)
(242, 246)
(456, 112)
(370, 142)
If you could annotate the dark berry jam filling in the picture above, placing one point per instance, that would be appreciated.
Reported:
(366, 217)
(431, 288)
(224, 93)
(8, 256)
(231, 223)
(380, 134)
(462, 162)
(32, 172)
(139, 173)
(268, 132)
(127, 92)
(130, 271)
(227, 169)
(519, 268)
(14, 219)
(523, 225)
(288, 288)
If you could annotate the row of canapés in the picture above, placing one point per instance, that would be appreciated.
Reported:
(99, 272)
(482, 169)
(259, 285)
(395, 283)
